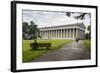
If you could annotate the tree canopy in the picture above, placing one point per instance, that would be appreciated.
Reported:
(30, 31)
(80, 16)
(25, 30)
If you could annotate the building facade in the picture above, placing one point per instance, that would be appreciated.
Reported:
(71, 31)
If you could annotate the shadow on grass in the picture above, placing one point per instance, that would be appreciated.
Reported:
(40, 49)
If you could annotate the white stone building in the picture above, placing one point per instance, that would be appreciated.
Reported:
(71, 31)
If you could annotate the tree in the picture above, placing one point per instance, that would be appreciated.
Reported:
(80, 16)
(34, 31)
(89, 30)
(25, 30)
(88, 34)
(30, 31)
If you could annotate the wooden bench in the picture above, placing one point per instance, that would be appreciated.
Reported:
(36, 45)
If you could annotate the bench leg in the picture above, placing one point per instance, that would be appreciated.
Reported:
(47, 48)
(35, 47)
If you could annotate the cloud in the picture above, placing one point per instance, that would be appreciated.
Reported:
(48, 18)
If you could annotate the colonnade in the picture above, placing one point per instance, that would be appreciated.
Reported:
(64, 33)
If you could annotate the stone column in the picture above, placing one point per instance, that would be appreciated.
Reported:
(77, 35)
(80, 33)
(76, 32)
(61, 33)
(45, 33)
(73, 32)
(70, 33)
(56, 33)
(53, 33)
(67, 33)
(50, 33)
(42, 34)
(64, 34)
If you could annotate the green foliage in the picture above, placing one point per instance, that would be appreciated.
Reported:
(80, 16)
(30, 55)
(68, 14)
(88, 35)
(89, 29)
(30, 31)
(25, 30)
(87, 44)
(33, 31)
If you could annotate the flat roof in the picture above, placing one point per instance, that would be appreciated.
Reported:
(66, 25)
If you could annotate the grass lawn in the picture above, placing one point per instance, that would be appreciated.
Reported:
(29, 54)
(87, 44)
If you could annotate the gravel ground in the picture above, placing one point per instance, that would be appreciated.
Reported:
(72, 51)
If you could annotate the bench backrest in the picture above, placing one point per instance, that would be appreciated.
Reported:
(44, 44)
(41, 44)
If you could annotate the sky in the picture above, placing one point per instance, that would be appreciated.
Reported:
(51, 18)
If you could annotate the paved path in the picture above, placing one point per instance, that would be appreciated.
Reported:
(72, 51)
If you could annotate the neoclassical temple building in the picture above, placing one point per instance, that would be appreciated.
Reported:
(71, 31)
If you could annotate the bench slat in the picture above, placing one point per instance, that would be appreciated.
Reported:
(40, 45)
